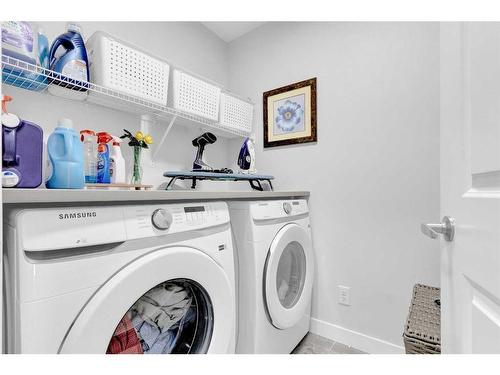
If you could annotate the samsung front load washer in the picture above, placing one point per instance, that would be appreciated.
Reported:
(274, 275)
(120, 279)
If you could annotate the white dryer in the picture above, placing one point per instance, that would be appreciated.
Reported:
(274, 275)
(120, 279)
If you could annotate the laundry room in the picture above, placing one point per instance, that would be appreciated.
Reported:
(201, 186)
(369, 89)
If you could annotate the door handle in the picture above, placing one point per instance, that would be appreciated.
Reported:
(446, 228)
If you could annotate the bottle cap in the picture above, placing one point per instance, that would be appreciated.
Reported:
(116, 141)
(73, 26)
(87, 133)
(9, 120)
(65, 123)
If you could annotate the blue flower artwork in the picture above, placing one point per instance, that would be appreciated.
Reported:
(289, 115)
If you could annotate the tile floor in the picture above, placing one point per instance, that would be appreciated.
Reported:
(314, 344)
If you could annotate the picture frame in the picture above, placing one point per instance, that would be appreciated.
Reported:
(290, 114)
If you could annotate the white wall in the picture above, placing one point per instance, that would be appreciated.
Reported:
(374, 172)
(186, 44)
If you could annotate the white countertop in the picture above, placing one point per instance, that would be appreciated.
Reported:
(56, 196)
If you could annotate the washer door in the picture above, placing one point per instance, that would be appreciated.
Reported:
(172, 300)
(289, 276)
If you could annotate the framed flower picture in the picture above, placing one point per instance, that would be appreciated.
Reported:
(290, 114)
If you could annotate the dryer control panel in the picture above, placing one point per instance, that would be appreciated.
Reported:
(267, 210)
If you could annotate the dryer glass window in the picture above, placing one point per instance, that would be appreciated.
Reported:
(173, 317)
(291, 274)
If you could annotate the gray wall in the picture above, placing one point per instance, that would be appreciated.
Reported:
(374, 172)
(185, 44)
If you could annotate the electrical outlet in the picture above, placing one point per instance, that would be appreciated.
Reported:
(344, 295)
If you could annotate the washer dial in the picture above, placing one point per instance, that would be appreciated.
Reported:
(161, 219)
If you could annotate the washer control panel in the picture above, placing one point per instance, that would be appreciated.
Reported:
(62, 228)
(147, 221)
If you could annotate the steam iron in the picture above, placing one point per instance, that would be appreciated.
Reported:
(246, 158)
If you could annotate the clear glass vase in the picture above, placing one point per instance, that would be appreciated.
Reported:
(136, 178)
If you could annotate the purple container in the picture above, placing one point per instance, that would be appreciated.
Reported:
(22, 150)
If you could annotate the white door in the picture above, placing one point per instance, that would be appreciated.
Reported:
(470, 186)
(175, 300)
(289, 276)
(2, 338)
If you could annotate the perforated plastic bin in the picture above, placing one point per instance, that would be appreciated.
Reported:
(120, 66)
(196, 96)
(235, 114)
(422, 333)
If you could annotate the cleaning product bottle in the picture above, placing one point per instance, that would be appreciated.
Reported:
(103, 176)
(89, 140)
(68, 56)
(66, 157)
(24, 42)
(21, 152)
(117, 162)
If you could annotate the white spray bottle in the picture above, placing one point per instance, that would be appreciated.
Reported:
(117, 162)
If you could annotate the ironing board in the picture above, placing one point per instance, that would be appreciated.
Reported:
(254, 179)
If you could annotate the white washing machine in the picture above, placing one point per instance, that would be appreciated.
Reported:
(120, 279)
(275, 274)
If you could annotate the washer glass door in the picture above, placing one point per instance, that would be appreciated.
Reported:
(288, 276)
(171, 300)
(291, 274)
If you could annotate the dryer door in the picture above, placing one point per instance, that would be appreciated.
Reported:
(172, 300)
(289, 276)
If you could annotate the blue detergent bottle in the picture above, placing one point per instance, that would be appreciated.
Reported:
(66, 157)
(68, 56)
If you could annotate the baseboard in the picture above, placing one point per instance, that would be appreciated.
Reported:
(355, 339)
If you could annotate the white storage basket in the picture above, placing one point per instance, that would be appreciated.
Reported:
(120, 66)
(193, 95)
(236, 114)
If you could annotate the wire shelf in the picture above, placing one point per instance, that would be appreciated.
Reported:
(31, 77)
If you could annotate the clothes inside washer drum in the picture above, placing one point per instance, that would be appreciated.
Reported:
(155, 342)
(164, 305)
(155, 322)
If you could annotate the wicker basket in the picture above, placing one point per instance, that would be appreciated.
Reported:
(422, 333)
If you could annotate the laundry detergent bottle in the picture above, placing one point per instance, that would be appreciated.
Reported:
(68, 56)
(66, 157)
(22, 149)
